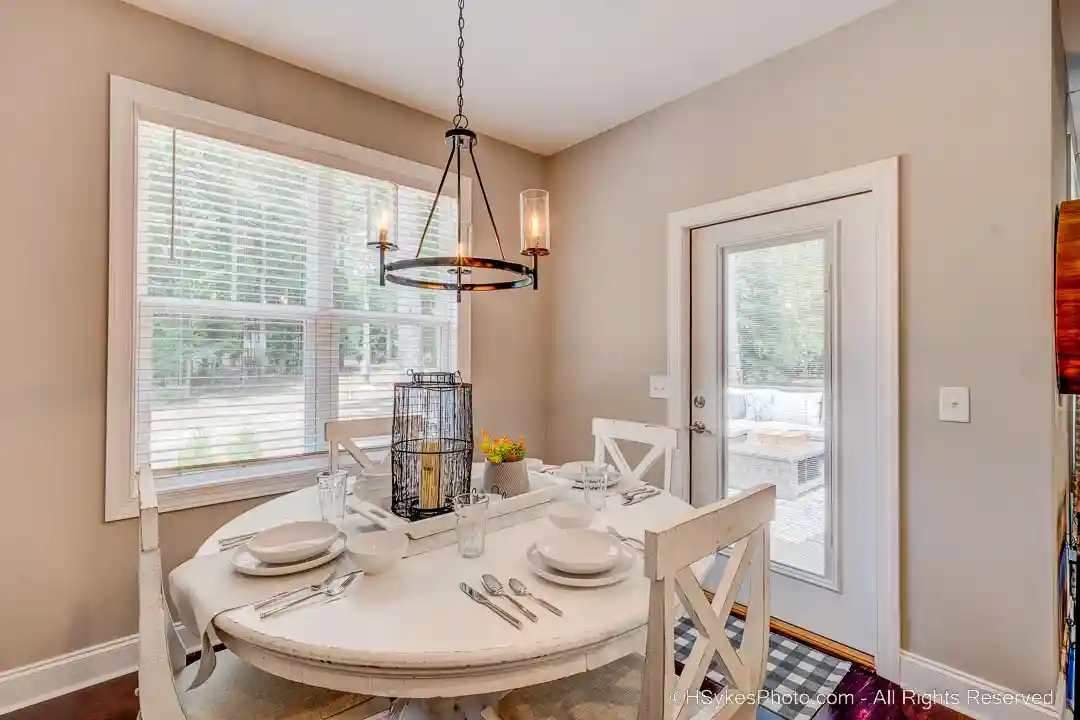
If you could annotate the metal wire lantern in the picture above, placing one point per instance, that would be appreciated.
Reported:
(432, 444)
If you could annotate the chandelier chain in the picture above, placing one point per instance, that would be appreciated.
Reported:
(460, 121)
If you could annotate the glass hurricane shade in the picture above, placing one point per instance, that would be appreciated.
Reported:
(382, 220)
(535, 227)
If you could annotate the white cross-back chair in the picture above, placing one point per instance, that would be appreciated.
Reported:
(343, 434)
(662, 440)
(235, 690)
(636, 688)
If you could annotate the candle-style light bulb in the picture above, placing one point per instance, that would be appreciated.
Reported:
(534, 227)
(384, 227)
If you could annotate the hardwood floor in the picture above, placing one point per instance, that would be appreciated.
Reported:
(115, 700)
(112, 700)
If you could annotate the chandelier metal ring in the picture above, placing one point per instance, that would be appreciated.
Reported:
(526, 275)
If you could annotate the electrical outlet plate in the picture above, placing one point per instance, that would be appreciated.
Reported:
(658, 387)
(954, 405)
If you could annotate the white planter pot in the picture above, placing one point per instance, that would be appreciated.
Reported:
(508, 479)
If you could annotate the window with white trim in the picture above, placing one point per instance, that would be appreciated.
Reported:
(255, 311)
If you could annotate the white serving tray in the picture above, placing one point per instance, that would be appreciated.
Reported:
(544, 488)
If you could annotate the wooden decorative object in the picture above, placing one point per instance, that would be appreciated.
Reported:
(1067, 297)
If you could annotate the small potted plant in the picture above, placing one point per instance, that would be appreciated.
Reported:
(504, 472)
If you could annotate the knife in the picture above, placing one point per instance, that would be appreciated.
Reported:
(480, 598)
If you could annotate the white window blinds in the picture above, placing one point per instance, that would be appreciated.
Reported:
(260, 314)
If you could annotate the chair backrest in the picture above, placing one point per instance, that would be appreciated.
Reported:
(343, 434)
(742, 523)
(662, 440)
(160, 650)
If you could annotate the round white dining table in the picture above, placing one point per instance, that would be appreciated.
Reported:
(412, 633)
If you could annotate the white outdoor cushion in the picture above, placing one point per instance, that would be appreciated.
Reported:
(738, 428)
(238, 690)
(803, 408)
(759, 404)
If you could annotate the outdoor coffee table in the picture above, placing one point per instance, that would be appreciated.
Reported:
(794, 469)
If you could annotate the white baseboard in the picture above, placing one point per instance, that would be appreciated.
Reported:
(973, 696)
(41, 681)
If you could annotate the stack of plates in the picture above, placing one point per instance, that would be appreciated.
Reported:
(289, 548)
(581, 558)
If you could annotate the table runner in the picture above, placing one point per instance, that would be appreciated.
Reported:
(204, 587)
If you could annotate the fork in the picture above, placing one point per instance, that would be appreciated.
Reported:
(633, 542)
(286, 593)
(329, 592)
(235, 541)
(339, 593)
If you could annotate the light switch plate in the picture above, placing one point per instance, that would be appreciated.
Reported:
(954, 404)
(658, 387)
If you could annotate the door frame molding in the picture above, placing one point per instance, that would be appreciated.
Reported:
(881, 179)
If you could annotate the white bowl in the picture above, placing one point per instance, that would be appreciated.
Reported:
(534, 464)
(580, 552)
(570, 515)
(377, 552)
(293, 542)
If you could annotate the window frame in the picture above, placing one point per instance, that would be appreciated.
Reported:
(129, 102)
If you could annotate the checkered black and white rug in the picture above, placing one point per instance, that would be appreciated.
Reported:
(799, 678)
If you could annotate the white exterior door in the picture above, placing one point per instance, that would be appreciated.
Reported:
(783, 390)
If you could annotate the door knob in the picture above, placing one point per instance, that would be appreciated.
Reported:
(699, 427)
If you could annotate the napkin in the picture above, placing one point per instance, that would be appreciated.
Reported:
(204, 587)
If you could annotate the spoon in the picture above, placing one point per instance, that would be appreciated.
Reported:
(519, 589)
(494, 587)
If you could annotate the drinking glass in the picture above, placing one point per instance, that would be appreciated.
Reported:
(594, 480)
(332, 494)
(471, 509)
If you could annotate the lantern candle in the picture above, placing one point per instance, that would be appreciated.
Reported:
(431, 497)
(384, 228)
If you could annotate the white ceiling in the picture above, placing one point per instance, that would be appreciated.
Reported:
(542, 74)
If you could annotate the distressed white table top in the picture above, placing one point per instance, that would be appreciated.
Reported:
(415, 620)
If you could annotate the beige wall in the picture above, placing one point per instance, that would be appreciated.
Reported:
(961, 89)
(75, 586)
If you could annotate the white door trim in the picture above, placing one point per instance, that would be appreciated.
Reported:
(881, 179)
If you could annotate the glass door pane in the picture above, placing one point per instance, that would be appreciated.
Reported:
(777, 379)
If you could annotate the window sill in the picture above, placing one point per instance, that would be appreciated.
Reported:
(213, 487)
(184, 491)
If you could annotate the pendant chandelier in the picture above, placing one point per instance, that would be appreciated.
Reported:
(535, 236)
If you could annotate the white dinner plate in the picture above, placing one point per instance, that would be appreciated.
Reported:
(625, 563)
(579, 551)
(247, 564)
